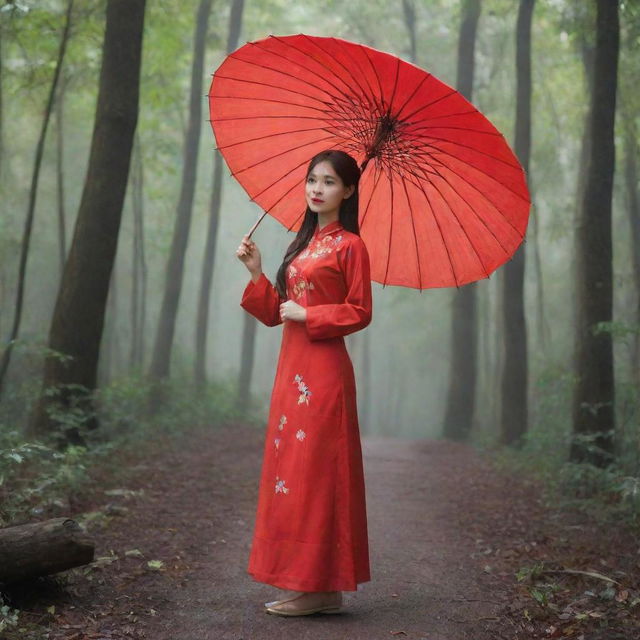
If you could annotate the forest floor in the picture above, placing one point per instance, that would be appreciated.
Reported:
(447, 535)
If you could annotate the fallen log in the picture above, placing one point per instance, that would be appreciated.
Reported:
(42, 548)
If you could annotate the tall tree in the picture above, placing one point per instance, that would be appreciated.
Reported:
(235, 26)
(409, 12)
(462, 375)
(31, 208)
(593, 399)
(1, 100)
(631, 152)
(246, 361)
(62, 240)
(514, 402)
(78, 317)
(139, 287)
(161, 361)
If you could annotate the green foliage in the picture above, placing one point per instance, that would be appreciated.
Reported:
(542, 592)
(44, 477)
(8, 616)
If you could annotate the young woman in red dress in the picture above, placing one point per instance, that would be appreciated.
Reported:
(310, 535)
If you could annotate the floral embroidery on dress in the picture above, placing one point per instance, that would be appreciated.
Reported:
(276, 441)
(303, 389)
(280, 488)
(283, 421)
(321, 247)
(292, 271)
(300, 286)
(300, 435)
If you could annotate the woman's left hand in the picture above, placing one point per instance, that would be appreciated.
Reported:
(290, 310)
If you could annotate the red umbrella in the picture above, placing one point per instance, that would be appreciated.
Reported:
(443, 199)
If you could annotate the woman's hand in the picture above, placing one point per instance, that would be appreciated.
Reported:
(290, 310)
(249, 254)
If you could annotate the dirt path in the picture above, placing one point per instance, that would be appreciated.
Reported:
(441, 525)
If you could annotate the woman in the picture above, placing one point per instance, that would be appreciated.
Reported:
(311, 528)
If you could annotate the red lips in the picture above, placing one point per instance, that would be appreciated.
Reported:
(316, 200)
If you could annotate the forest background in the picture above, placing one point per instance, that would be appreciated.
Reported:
(403, 360)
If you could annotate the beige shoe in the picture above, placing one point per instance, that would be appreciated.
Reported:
(305, 604)
(292, 594)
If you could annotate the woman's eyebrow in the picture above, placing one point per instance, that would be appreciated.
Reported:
(322, 175)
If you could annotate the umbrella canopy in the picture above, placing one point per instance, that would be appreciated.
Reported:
(443, 199)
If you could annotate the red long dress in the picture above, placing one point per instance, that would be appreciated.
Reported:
(311, 525)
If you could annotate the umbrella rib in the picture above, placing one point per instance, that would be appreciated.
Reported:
(287, 117)
(469, 205)
(431, 158)
(429, 127)
(370, 93)
(395, 83)
(375, 186)
(488, 175)
(258, 99)
(478, 216)
(386, 272)
(288, 75)
(301, 146)
(453, 92)
(274, 135)
(343, 93)
(420, 186)
(284, 102)
(423, 143)
(413, 228)
(349, 73)
(448, 115)
(375, 72)
(484, 268)
(413, 93)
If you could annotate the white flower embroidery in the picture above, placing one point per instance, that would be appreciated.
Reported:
(300, 435)
(283, 421)
(292, 271)
(303, 389)
(280, 488)
(277, 443)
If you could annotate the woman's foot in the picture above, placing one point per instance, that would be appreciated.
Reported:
(306, 603)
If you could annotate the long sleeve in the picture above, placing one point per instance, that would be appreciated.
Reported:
(333, 320)
(261, 300)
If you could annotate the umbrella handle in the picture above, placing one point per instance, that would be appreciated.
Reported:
(257, 222)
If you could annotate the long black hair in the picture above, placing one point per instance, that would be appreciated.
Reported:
(347, 169)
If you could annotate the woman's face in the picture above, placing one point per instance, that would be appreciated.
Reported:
(325, 190)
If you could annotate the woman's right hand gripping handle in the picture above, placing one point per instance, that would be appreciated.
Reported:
(249, 254)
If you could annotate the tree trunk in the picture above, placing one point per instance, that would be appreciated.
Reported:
(409, 12)
(235, 25)
(246, 364)
(62, 240)
(593, 400)
(26, 236)
(514, 401)
(633, 209)
(78, 318)
(42, 548)
(586, 55)
(2, 149)
(139, 288)
(462, 375)
(161, 361)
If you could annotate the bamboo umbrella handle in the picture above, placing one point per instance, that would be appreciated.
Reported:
(257, 222)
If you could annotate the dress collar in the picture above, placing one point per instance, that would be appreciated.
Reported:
(332, 227)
